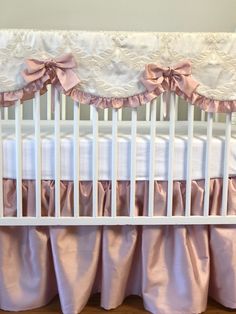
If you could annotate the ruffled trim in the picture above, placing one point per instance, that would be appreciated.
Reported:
(9, 98)
(156, 79)
(211, 105)
(202, 102)
(111, 102)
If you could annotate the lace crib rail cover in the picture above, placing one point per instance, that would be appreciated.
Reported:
(115, 69)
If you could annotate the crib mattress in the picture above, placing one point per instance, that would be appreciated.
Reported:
(124, 147)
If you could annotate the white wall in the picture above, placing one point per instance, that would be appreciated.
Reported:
(148, 15)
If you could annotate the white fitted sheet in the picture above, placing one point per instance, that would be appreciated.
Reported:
(124, 140)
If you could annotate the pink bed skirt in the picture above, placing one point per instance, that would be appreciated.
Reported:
(173, 268)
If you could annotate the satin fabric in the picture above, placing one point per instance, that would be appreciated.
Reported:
(53, 70)
(173, 268)
(178, 77)
(123, 201)
(203, 102)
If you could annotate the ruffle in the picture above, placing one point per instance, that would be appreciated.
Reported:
(211, 105)
(123, 201)
(150, 261)
(9, 98)
(202, 102)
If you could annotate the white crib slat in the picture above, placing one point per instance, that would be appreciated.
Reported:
(115, 114)
(207, 163)
(226, 164)
(152, 158)
(76, 158)
(18, 115)
(5, 113)
(95, 160)
(189, 160)
(120, 113)
(105, 111)
(133, 161)
(63, 107)
(162, 105)
(91, 113)
(38, 161)
(57, 156)
(233, 118)
(176, 107)
(49, 102)
(148, 108)
(171, 153)
(1, 169)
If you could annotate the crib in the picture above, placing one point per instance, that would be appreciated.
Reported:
(92, 109)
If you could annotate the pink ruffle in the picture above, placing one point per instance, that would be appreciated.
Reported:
(173, 268)
(123, 187)
(204, 103)
(111, 102)
(27, 92)
(212, 105)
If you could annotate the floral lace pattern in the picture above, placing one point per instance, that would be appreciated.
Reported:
(110, 64)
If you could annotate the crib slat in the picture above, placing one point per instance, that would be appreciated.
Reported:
(171, 153)
(226, 164)
(115, 114)
(176, 107)
(207, 163)
(162, 105)
(152, 158)
(5, 113)
(120, 113)
(76, 158)
(1, 167)
(148, 108)
(18, 115)
(49, 102)
(189, 160)
(63, 107)
(91, 113)
(95, 160)
(38, 165)
(133, 161)
(57, 157)
(105, 114)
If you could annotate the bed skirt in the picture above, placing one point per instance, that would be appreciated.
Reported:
(173, 268)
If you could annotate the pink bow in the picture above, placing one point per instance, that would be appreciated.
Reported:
(58, 69)
(178, 77)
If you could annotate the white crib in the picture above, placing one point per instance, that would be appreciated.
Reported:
(55, 110)
(117, 169)
(151, 118)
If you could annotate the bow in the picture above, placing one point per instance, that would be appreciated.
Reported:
(58, 69)
(178, 77)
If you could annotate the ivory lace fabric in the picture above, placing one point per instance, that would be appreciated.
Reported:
(110, 64)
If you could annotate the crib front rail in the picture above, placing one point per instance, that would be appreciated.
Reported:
(119, 220)
(157, 111)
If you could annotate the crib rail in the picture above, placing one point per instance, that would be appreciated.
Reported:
(157, 111)
(121, 220)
